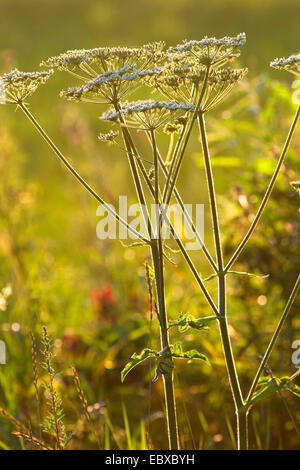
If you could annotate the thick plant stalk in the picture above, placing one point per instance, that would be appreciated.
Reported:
(157, 256)
(227, 348)
(164, 336)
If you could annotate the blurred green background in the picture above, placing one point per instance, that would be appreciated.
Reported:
(92, 295)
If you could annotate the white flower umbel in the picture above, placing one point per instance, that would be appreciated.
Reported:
(111, 86)
(211, 51)
(92, 62)
(148, 114)
(185, 81)
(16, 86)
(290, 64)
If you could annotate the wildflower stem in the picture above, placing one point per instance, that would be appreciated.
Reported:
(77, 175)
(186, 214)
(176, 162)
(173, 232)
(211, 190)
(266, 197)
(183, 133)
(222, 308)
(274, 338)
(157, 256)
(134, 171)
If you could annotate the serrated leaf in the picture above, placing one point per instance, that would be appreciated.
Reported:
(192, 354)
(184, 322)
(137, 359)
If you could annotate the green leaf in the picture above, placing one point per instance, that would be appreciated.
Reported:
(243, 273)
(238, 273)
(137, 359)
(200, 323)
(192, 354)
(133, 245)
(184, 322)
(266, 392)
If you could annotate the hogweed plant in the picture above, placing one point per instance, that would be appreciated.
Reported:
(191, 79)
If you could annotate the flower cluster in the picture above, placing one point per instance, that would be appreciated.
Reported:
(211, 51)
(220, 83)
(147, 114)
(194, 71)
(186, 80)
(16, 86)
(93, 62)
(291, 64)
(108, 137)
(110, 86)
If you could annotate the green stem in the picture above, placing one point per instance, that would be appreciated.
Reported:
(76, 174)
(134, 172)
(274, 338)
(173, 232)
(230, 364)
(211, 191)
(185, 135)
(189, 219)
(157, 256)
(242, 430)
(266, 197)
(223, 326)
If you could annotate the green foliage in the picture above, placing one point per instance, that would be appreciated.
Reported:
(185, 321)
(137, 359)
(177, 352)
